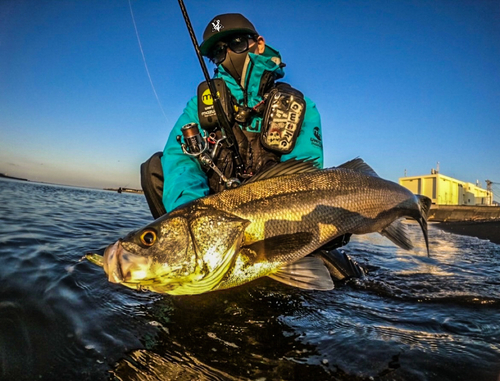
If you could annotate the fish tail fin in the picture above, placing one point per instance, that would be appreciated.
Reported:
(424, 203)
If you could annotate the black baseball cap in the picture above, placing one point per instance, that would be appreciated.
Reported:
(224, 25)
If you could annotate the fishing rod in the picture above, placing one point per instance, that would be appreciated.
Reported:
(221, 115)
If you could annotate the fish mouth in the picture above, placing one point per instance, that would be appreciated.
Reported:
(122, 266)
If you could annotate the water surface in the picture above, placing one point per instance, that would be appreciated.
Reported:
(412, 318)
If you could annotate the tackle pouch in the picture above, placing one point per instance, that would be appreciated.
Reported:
(206, 110)
(282, 119)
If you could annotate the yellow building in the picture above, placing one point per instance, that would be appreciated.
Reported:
(444, 190)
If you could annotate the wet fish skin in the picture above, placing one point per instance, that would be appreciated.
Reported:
(263, 228)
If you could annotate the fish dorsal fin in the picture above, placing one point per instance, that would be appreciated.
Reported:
(308, 273)
(287, 167)
(398, 234)
(359, 165)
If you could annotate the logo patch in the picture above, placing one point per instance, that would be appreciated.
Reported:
(316, 133)
(217, 26)
(316, 141)
(206, 98)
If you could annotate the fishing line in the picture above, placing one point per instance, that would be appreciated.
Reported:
(144, 60)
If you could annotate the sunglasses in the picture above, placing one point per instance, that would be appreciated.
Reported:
(238, 44)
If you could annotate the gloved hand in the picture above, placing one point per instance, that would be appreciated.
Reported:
(337, 242)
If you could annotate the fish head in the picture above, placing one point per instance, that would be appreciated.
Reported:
(159, 254)
(180, 253)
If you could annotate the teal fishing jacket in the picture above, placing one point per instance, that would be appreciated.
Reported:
(185, 180)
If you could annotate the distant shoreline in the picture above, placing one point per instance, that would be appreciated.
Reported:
(481, 229)
(3, 175)
(125, 190)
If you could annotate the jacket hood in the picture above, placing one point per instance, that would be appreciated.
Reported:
(257, 65)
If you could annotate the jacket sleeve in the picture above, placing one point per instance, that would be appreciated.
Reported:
(185, 181)
(309, 143)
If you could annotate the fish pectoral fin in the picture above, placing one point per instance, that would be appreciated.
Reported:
(398, 234)
(212, 278)
(308, 273)
(275, 248)
(215, 234)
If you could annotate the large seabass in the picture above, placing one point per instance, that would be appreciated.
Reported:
(266, 227)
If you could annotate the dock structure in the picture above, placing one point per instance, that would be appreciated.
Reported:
(452, 199)
(444, 190)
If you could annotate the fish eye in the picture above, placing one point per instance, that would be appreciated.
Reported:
(148, 238)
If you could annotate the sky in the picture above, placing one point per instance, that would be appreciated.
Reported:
(402, 84)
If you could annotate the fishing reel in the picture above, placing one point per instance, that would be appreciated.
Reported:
(197, 145)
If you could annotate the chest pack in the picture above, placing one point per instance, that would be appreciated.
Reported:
(283, 116)
(282, 113)
(206, 110)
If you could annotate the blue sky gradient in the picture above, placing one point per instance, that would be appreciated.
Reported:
(401, 84)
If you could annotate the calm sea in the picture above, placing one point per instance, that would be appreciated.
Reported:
(412, 318)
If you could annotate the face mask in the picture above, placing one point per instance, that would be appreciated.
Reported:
(236, 62)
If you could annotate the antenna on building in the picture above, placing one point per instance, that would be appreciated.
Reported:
(437, 167)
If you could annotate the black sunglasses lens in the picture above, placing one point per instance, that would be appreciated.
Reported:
(218, 54)
(238, 44)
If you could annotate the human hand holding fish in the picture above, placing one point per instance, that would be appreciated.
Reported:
(266, 227)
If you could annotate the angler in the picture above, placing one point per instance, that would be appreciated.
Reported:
(240, 123)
